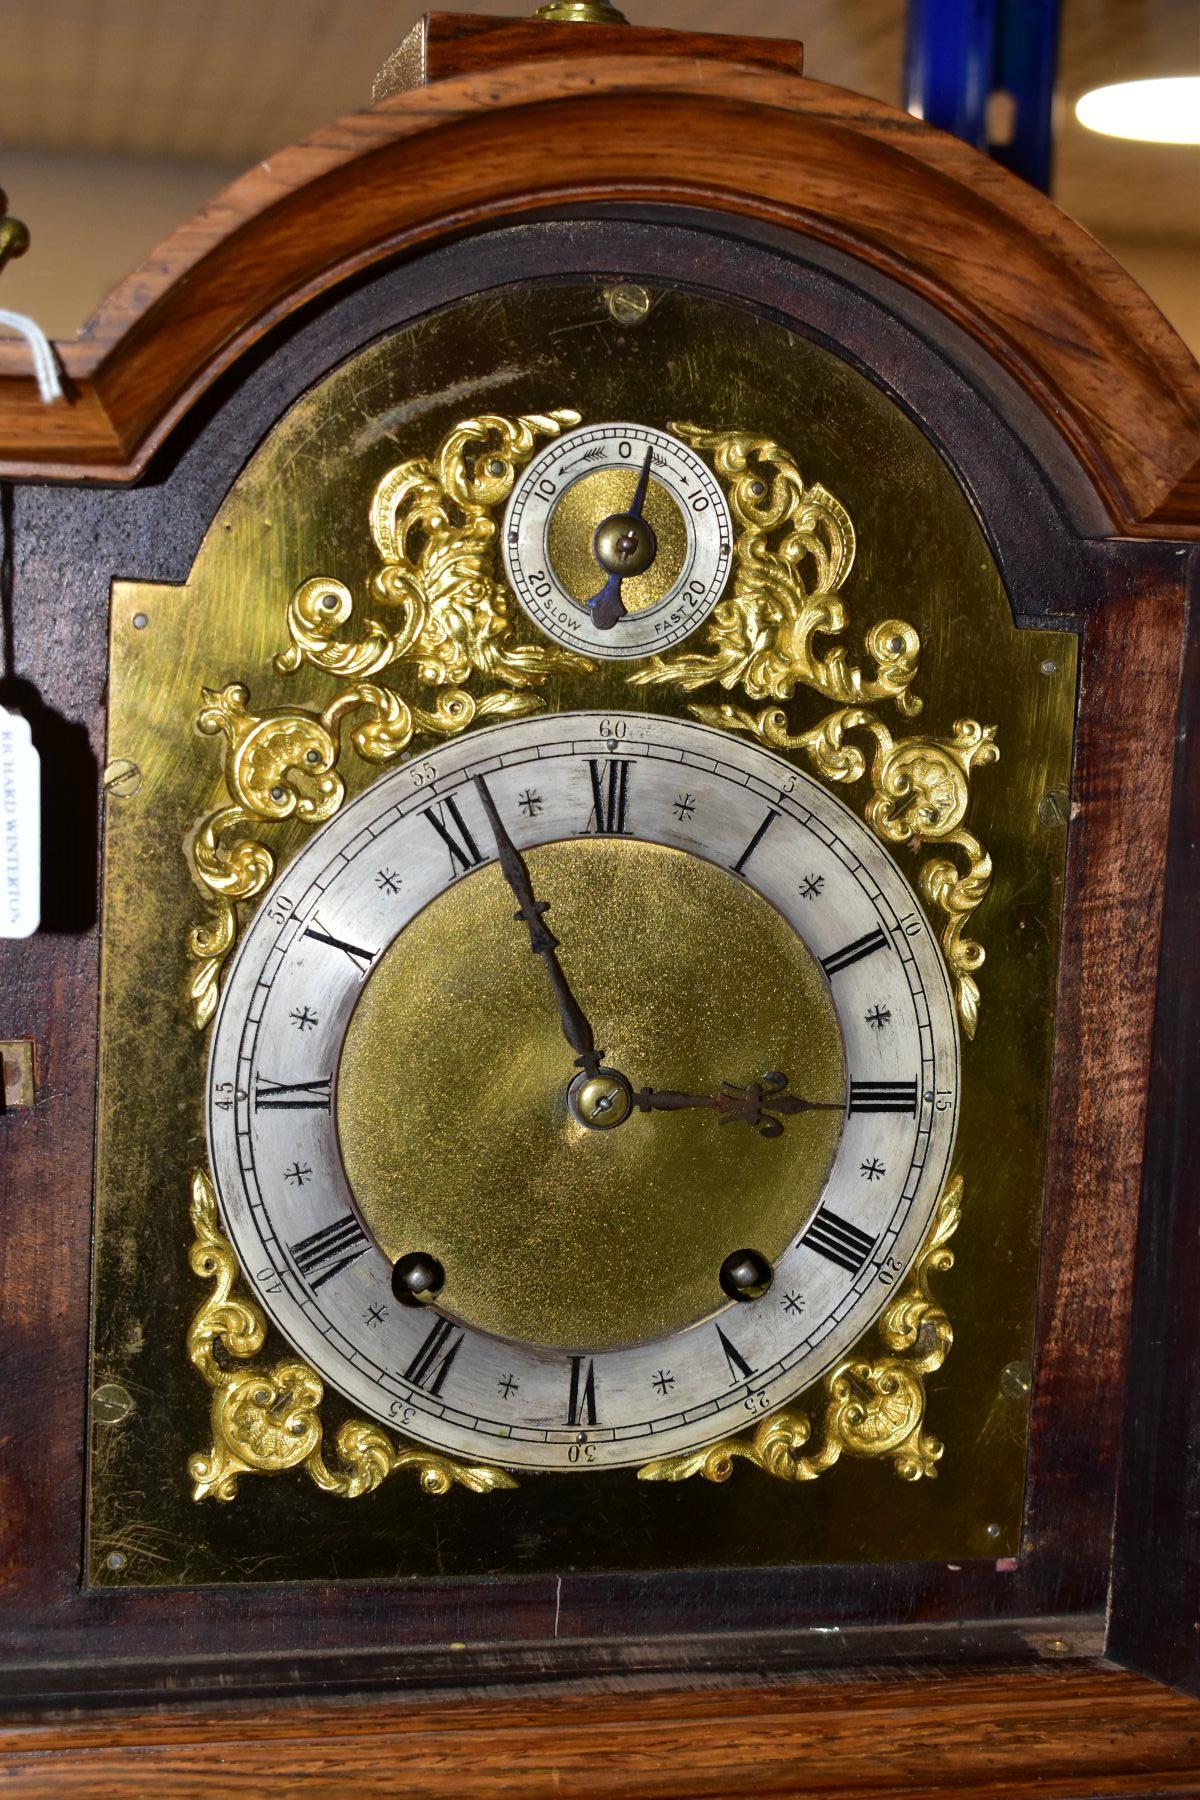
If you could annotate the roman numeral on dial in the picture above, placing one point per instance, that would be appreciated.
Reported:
(362, 959)
(581, 1402)
(455, 833)
(852, 953)
(327, 1252)
(838, 1240)
(431, 1365)
(755, 841)
(297, 1096)
(739, 1368)
(610, 795)
(883, 1097)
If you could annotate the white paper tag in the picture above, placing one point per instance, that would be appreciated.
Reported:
(20, 828)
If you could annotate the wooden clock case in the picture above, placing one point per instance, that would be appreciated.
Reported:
(1071, 415)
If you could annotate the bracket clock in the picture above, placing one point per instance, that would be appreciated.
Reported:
(607, 1113)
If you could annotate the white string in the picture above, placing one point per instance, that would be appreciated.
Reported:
(45, 363)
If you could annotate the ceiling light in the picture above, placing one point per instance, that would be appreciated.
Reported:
(1166, 111)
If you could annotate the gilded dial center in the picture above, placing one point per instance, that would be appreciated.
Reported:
(451, 1095)
(580, 513)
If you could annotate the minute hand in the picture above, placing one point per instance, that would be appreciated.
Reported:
(575, 1024)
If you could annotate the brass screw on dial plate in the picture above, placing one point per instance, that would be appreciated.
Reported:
(111, 1403)
(122, 778)
(628, 303)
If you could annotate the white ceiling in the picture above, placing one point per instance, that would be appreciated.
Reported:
(228, 81)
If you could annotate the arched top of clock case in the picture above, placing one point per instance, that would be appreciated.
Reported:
(1043, 300)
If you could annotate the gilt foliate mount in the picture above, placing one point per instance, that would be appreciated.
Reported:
(266, 1419)
(441, 617)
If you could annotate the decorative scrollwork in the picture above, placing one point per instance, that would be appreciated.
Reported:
(872, 1407)
(432, 523)
(266, 1419)
(794, 549)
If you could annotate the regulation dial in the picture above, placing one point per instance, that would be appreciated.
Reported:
(617, 540)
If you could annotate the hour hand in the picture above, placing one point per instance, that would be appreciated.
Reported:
(575, 1024)
(755, 1105)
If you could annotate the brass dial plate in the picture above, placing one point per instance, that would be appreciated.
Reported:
(295, 510)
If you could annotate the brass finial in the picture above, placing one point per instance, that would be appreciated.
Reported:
(14, 237)
(581, 12)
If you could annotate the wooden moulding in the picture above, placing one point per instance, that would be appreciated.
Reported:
(1156, 1577)
(1060, 1732)
(1043, 299)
